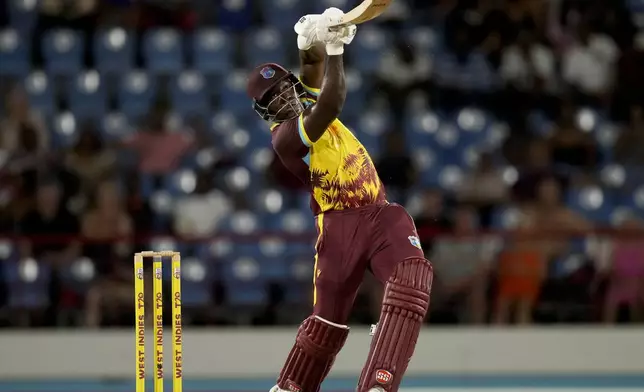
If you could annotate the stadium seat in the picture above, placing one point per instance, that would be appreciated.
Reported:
(591, 202)
(245, 286)
(163, 51)
(114, 50)
(87, 97)
(419, 129)
(213, 51)
(282, 14)
(14, 53)
(424, 40)
(78, 276)
(368, 48)
(264, 46)
(197, 282)
(136, 94)
(27, 283)
(22, 15)
(63, 52)
(233, 94)
(41, 93)
(115, 126)
(64, 130)
(188, 94)
(357, 92)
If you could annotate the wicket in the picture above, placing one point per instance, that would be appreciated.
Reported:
(177, 332)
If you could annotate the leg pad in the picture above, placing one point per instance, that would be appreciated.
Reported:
(404, 307)
(317, 343)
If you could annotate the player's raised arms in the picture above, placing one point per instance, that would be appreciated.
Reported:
(317, 118)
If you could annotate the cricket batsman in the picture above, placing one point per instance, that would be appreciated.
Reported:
(358, 230)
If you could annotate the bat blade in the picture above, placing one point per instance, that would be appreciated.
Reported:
(367, 10)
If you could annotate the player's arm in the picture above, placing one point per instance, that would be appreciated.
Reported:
(312, 68)
(328, 107)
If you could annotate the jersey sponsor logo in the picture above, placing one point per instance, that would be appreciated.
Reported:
(414, 241)
(267, 72)
(384, 377)
(292, 387)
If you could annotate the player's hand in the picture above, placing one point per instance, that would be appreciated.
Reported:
(306, 31)
(334, 38)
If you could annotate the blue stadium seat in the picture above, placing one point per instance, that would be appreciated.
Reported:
(41, 92)
(63, 52)
(245, 286)
(115, 126)
(14, 53)
(282, 14)
(591, 202)
(64, 130)
(27, 284)
(367, 49)
(213, 51)
(506, 218)
(163, 51)
(78, 276)
(420, 128)
(188, 94)
(357, 92)
(264, 46)
(198, 277)
(370, 130)
(136, 94)
(22, 15)
(87, 96)
(241, 222)
(114, 50)
(424, 40)
(232, 95)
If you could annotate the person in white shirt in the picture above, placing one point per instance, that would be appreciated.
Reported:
(588, 65)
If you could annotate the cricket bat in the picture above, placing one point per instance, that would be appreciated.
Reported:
(364, 12)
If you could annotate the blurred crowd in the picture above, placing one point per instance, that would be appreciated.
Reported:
(512, 130)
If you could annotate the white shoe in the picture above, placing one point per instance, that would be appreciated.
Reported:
(376, 389)
(277, 389)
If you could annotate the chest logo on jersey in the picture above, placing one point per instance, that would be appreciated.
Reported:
(267, 72)
(414, 241)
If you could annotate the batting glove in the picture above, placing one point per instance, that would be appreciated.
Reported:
(334, 38)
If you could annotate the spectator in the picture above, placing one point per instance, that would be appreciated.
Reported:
(628, 149)
(198, 214)
(18, 116)
(569, 145)
(626, 273)
(412, 74)
(532, 172)
(396, 168)
(587, 66)
(107, 228)
(89, 159)
(528, 69)
(521, 270)
(462, 73)
(50, 230)
(160, 150)
(484, 188)
(462, 263)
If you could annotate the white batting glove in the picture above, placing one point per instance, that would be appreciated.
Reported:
(306, 31)
(335, 39)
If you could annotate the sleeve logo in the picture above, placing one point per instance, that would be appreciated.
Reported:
(414, 241)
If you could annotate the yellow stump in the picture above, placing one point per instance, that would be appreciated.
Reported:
(177, 329)
(139, 306)
(157, 265)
